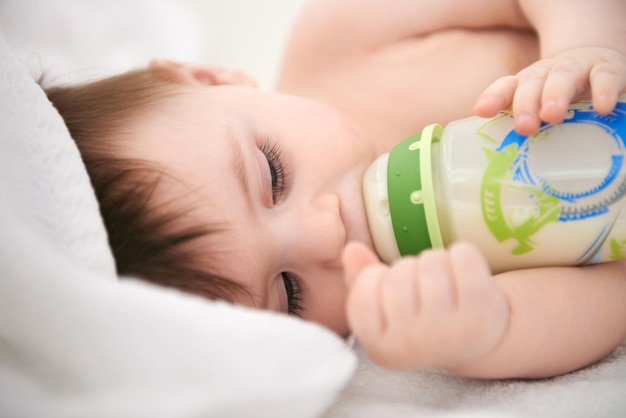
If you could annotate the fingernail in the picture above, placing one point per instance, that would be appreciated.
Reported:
(526, 123)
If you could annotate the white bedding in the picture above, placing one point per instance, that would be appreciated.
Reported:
(598, 391)
(76, 342)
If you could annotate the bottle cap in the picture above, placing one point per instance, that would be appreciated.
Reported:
(411, 194)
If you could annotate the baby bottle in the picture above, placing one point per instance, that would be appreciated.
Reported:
(552, 198)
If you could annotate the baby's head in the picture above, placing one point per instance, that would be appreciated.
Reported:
(146, 240)
(214, 187)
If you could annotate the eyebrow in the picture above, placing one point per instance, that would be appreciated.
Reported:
(239, 165)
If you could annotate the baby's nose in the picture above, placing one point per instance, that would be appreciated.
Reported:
(323, 233)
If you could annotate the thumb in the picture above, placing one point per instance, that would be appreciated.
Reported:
(356, 257)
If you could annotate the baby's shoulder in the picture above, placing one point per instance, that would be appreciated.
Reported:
(334, 29)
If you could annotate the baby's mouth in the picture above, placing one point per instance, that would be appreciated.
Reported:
(353, 218)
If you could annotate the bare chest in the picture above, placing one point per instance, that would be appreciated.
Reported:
(394, 91)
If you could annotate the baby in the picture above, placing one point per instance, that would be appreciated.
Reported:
(211, 186)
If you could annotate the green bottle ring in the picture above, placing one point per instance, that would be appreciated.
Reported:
(411, 193)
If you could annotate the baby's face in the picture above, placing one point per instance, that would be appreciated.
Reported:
(280, 177)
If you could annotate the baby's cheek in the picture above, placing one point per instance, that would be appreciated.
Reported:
(328, 307)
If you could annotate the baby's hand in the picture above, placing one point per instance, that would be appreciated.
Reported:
(442, 309)
(544, 90)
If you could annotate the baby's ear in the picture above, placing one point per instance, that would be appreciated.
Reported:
(205, 75)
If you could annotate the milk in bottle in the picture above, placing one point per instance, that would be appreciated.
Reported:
(552, 198)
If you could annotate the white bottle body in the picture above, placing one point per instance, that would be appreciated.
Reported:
(553, 198)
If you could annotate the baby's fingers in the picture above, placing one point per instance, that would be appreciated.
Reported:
(356, 257)
(498, 96)
(565, 82)
(438, 298)
(569, 80)
(475, 287)
(482, 303)
(527, 98)
(364, 307)
(607, 82)
(364, 275)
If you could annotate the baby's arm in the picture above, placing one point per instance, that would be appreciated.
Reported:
(328, 33)
(444, 309)
(376, 23)
(583, 50)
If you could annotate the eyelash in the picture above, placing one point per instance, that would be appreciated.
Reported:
(272, 153)
(294, 294)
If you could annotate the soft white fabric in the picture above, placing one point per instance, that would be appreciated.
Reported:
(598, 391)
(76, 342)
(120, 369)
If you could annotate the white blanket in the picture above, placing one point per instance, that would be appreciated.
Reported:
(77, 342)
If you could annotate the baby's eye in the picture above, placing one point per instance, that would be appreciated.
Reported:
(294, 294)
(272, 153)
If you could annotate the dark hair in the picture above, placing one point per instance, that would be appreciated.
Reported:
(147, 237)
